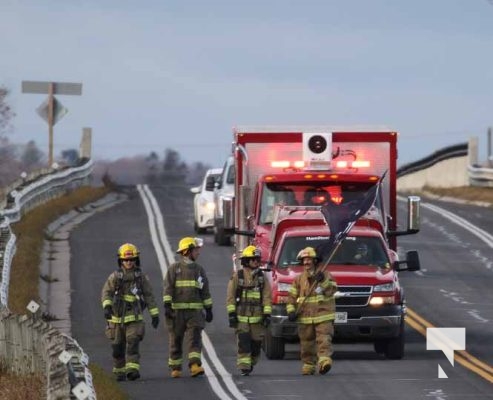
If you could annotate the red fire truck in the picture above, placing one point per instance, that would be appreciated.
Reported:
(283, 178)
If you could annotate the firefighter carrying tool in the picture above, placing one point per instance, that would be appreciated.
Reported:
(316, 318)
(186, 295)
(125, 294)
(249, 308)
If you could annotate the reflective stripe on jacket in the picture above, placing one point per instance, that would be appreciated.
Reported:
(252, 303)
(186, 286)
(319, 305)
(132, 286)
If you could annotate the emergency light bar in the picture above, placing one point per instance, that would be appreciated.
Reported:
(341, 164)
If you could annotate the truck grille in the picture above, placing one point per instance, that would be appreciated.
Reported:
(354, 296)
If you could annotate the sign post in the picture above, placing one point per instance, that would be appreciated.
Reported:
(51, 110)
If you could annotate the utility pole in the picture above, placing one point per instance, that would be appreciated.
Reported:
(51, 110)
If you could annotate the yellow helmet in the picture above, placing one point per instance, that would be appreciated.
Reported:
(188, 243)
(307, 252)
(128, 251)
(250, 252)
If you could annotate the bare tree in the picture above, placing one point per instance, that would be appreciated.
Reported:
(6, 112)
(32, 156)
(174, 169)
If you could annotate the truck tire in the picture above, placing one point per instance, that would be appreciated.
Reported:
(394, 347)
(220, 236)
(197, 229)
(380, 346)
(273, 346)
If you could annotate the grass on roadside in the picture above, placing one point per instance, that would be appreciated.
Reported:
(24, 281)
(30, 232)
(472, 193)
(21, 387)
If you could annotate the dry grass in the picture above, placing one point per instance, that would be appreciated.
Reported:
(26, 387)
(24, 288)
(106, 387)
(24, 275)
(483, 194)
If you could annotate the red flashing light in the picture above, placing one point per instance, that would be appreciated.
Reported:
(280, 164)
(343, 164)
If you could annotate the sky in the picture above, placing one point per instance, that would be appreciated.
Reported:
(180, 74)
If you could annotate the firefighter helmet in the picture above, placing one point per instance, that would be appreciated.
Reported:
(250, 252)
(188, 243)
(307, 252)
(128, 251)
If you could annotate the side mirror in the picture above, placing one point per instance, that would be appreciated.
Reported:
(412, 262)
(413, 218)
(195, 189)
(268, 267)
(210, 184)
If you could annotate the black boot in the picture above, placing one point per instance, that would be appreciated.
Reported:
(133, 375)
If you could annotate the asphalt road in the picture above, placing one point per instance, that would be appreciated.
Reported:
(451, 291)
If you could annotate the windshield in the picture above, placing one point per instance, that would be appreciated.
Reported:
(354, 250)
(230, 178)
(315, 194)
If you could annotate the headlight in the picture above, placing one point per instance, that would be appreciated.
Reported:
(283, 287)
(386, 287)
(379, 300)
(209, 205)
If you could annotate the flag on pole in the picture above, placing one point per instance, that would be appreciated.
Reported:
(341, 218)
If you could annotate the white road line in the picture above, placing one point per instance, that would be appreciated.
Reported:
(152, 208)
(480, 233)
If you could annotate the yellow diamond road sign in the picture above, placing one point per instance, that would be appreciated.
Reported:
(59, 110)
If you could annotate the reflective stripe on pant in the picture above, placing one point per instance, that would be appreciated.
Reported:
(187, 325)
(316, 341)
(125, 345)
(249, 340)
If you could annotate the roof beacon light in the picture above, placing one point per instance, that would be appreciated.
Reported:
(280, 164)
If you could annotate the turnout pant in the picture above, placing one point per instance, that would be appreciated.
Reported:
(316, 342)
(125, 340)
(187, 325)
(249, 340)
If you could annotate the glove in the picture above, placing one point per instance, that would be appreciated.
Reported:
(266, 320)
(319, 276)
(108, 312)
(168, 311)
(155, 321)
(208, 314)
(292, 316)
(233, 320)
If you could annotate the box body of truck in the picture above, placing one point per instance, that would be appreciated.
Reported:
(303, 169)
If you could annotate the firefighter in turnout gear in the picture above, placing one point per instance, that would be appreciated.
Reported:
(125, 295)
(249, 307)
(313, 293)
(186, 297)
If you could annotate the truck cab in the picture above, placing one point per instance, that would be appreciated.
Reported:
(370, 302)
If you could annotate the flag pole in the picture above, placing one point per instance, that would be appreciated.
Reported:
(312, 287)
(341, 234)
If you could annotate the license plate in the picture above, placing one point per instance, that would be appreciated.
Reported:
(341, 318)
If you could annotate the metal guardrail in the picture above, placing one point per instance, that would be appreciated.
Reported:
(26, 339)
(478, 175)
(458, 150)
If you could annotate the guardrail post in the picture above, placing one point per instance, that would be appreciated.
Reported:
(489, 158)
(473, 151)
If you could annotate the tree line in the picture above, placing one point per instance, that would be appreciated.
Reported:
(153, 169)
